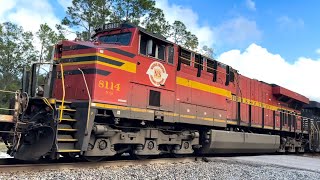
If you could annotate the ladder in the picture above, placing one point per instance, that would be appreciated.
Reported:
(66, 130)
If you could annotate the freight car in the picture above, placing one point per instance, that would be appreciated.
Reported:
(132, 91)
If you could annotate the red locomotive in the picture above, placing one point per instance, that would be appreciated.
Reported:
(133, 91)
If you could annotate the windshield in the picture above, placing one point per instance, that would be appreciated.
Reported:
(123, 39)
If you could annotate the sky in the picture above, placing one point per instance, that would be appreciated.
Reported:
(269, 40)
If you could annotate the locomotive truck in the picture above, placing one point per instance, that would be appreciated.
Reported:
(132, 91)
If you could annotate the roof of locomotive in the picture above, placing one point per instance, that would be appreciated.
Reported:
(106, 27)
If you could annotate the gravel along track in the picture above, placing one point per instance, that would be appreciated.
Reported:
(215, 168)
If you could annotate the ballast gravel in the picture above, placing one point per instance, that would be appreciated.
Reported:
(216, 168)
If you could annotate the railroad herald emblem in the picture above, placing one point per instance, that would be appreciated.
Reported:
(157, 74)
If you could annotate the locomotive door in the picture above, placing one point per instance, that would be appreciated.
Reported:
(254, 96)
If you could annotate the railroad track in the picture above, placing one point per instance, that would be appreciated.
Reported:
(12, 165)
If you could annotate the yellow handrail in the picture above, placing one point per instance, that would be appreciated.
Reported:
(89, 106)
(63, 93)
(45, 100)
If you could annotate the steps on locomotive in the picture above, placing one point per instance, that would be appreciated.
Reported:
(66, 127)
(66, 109)
(65, 130)
(66, 138)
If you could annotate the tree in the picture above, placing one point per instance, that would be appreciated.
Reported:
(86, 15)
(207, 51)
(131, 10)
(16, 50)
(191, 41)
(47, 39)
(156, 22)
(182, 36)
(178, 31)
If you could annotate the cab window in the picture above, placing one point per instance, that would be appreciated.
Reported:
(122, 39)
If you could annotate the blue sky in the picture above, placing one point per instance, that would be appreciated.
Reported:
(289, 27)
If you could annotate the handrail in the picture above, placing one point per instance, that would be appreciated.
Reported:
(63, 93)
(7, 109)
(89, 106)
(12, 92)
(45, 100)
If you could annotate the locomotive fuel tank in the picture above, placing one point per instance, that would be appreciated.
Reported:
(240, 142)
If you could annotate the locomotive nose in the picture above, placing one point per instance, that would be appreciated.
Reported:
(35, 143)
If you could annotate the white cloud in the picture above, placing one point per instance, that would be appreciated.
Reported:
(29, 15)
(174, 12)
(6, 6)
(65, 3)
(237, 31)
(256, 62)
(287, 23)
(251, 5)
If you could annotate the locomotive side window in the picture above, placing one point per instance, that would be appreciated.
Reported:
(204, 63)
(143, 45)
(227, 75)
(170, 55)
(152, 47)
(231, 76)
(198, 61)
(210, 65)
(161, 50)
(185, 57)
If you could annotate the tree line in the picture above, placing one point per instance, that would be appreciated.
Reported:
(19, 48)
(86, 15)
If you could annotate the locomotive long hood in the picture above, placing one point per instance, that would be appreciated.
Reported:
(283, 92)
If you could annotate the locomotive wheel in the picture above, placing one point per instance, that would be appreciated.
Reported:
(93, 158)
